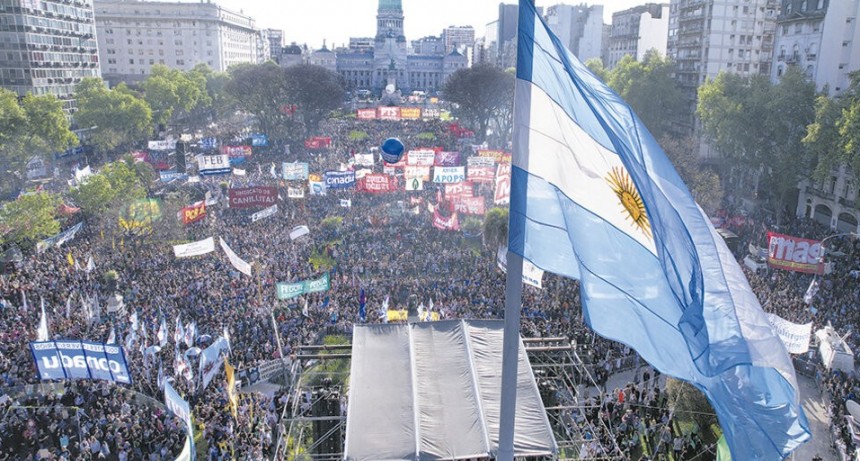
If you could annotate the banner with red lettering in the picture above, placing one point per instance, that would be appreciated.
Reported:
(365, 114)
(377, 183)
(193, 213)
(318, 142)
(481, 174)
(445, 223)
(502, 195)
(459, 189)
(794, 253)
(470, 205)
(388, 113)
(248, 197)
(236, 151)
(410, 113)
(447, 159)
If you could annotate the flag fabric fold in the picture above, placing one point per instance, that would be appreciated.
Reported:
(42, 333)
(594, 198)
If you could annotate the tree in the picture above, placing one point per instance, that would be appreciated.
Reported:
(32, 125)
(833, 137)
(759, 127)
(496, 227)
(688, 403)
(172, 94)
(481, 93)
(29, 218)
(703, 182)
(261, 90)
(217, 103)
(114, 187)
(316, 91)
(650, 90)
(595, 65)
(120, 116)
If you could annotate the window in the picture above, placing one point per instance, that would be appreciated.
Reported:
(131, 61)
(803, 6)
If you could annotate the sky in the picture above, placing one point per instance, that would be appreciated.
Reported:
(311, 21)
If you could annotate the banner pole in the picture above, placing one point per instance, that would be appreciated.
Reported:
(510, 356)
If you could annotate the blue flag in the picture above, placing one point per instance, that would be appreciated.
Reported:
(593, 197)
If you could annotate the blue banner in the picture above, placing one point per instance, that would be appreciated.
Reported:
(80, 360)
(259, 140)
(208, 143)
(340, 179)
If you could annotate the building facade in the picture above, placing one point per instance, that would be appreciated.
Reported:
(275, 37)
(47, 47)
(460, 38)
(389, 64)
(820, 37)
(135, 35)
(637, 30)
(579, 27)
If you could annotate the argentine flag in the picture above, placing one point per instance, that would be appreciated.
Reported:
(594, 198)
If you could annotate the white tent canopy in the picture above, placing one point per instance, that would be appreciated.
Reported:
(431, 390)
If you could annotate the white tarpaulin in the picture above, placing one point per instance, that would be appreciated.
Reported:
(235, 260)
(194, 248)
(833, 350)
(532, 275)
(299, 231)
(431, 390)
(796, 337)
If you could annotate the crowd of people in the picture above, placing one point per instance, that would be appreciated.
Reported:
(385, 245)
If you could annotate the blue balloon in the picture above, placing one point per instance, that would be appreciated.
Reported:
(392, 150)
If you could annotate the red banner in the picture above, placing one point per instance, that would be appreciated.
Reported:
(459, 189)
(365, 114)
(794, 253)
(376, 183)
(470, 205)
(247, 197)
(236, 151)
(481, 173)
(193, 213)
(318, 142)
(449, 223)
(388, 113)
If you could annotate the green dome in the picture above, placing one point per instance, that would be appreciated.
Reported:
(390, 5)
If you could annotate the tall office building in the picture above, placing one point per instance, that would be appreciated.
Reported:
(579, 27)
(135, 35)
(636, 30)
(459, 37)
(47, 47)
(276, 43)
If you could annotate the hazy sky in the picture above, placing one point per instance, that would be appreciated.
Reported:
(311, 21)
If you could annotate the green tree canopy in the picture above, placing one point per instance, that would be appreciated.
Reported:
(32, 125)
(650, 90)
(703, 182)
(261, 90)
(120, 117)
(173, 94)
(481, 93)
(759, 127)
(496, 227)
(316, 91)
(29, 218)
(834, 136)
(115, 186)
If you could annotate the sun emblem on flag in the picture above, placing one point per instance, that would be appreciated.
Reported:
(629, 199)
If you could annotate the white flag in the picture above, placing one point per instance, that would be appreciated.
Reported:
(90, 264)
(305, 309)
(178, 331)
(111, 337)
(272, 171)
(811, 291)
(346, 203)
(42, 333)
(24, 301)
(133, 320)
(69, 305)
(162, 333)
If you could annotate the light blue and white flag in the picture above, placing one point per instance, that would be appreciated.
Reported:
(594, 198)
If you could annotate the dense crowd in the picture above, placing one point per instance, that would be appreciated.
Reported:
(382, 246)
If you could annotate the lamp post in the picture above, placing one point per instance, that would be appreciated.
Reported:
(823, 241)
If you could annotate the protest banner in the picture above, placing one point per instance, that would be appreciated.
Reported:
(200, 247)
(297, 171)
(794, 253)
(213, 164)
(795, 336)
(449, 174)
(73, 359)
(257, 196)
(264, 213)
(193, 213)
(291, 290)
